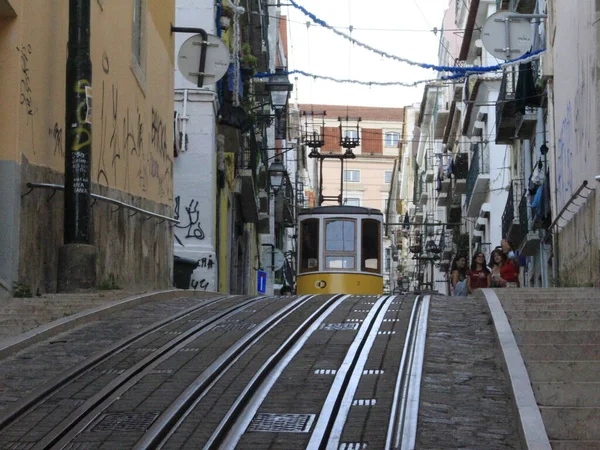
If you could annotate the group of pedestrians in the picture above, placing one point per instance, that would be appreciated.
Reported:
(502, 271)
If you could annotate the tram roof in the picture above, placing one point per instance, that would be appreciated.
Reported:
(340, 209)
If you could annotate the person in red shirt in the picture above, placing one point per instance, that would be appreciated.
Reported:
(479, 276)
(504, 271)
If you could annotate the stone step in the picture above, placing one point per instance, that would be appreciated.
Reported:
(554, 303)
(578, 394)
(532, 314)
(549, 292)
(563, 371)
(541, 294)
(555, 325)
(531, 337)
(575, 445)
(575, 305)
(571, 423)
(556, 352)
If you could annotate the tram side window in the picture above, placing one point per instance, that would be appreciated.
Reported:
(371, 241)
(340, 247)
(309, 251)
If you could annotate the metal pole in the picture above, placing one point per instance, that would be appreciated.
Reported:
(78, 118)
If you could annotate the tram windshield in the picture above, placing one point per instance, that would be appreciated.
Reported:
(340, 244)
(309, 250)
(371, 246)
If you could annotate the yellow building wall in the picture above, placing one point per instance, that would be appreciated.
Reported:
(132, 141)
(132, 122)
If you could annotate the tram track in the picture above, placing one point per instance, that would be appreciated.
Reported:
(39, 395)
(258, 374)
(42, 394)
(328, 430)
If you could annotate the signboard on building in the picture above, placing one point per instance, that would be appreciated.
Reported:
(261, 282)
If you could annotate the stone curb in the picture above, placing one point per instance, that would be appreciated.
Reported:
(14, 344)
(530, 423)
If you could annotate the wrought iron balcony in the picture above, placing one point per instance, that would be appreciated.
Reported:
(506, 107)
(511, 225)
(525, 123)
(246, 164)
(455, 212)
(478, 180)
(522, 6)
(461, 171)
(284, 204)
(528, 241)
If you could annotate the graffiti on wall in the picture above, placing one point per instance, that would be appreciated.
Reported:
(191, 223)
(133, 148)
(204, 276)
(564, 157)
(25, 91)
(56, 136)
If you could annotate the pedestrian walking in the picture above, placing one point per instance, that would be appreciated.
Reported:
(458, 276)
(498, 264)
(479, 276)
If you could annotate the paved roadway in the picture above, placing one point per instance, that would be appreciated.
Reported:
(123, 398)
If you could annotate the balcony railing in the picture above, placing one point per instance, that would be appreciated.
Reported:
(461, 166)
(523, 220)
(506, 107)
(510, 217)
(480, 165)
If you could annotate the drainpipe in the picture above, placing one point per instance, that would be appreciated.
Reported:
(77, 258)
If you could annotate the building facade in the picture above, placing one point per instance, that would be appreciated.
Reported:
(131, 152)
(515, 148)
(229, 221)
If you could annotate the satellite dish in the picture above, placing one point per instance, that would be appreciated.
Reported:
(277, 261)
(520, 35)
(216, 63)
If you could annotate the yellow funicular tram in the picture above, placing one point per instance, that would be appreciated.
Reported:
(340, 250)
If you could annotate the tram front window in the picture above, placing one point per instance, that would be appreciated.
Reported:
(371, 241)
(340, 244)
(309, 250)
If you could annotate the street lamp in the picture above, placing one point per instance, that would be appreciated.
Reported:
(279, 87)
(276, 175)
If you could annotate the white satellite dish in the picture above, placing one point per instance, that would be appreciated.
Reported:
(494, 35)
(272, 259)
(216, 63)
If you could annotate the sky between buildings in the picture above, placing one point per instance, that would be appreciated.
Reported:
(399, 27)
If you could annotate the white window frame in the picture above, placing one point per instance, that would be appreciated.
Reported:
(391, 135)
(348, 179)
(385, 176)
(138, 42)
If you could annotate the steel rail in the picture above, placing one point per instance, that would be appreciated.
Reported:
(333, 415)
(170, 420)
(119, 203)
(402, 427)
(43, 392)
(397, 416)
(61, 435)
(409, 434)
(231, 428)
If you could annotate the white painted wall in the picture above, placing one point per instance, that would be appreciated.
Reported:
(499, 170)
(195, 167)
(573, 155)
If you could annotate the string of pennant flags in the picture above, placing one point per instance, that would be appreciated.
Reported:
(455, 72)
